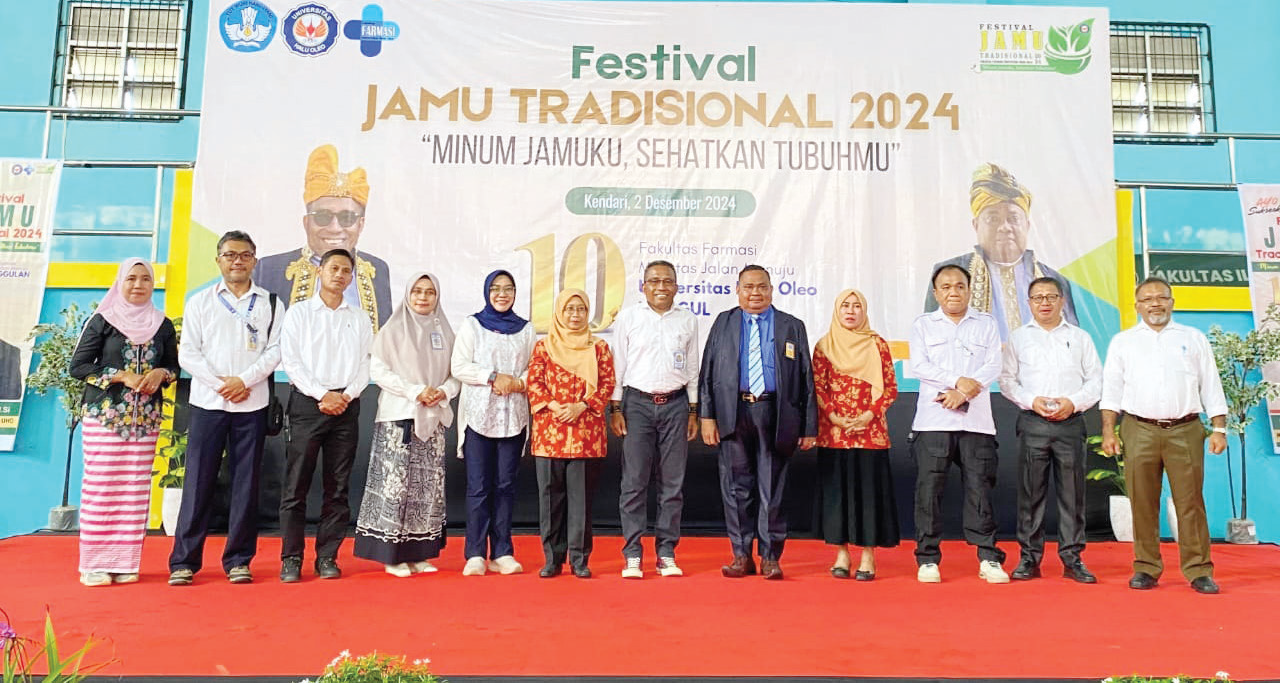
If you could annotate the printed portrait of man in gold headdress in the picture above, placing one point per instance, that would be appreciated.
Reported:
(334, 218)
(1000, 265)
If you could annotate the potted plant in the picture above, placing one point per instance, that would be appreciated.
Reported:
(1120, 507)
(54, 344)
(173, 452)
(1240, 361)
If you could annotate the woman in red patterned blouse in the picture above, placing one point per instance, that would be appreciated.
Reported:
(570, 381)
(855, 384)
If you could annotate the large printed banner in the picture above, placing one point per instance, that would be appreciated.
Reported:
(1261, 207)
(571, 143)
(28, 194)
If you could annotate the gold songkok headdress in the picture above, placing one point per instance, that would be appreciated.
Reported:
(324, 180)
(993, 185)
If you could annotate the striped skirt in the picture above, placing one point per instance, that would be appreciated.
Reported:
(114, 498)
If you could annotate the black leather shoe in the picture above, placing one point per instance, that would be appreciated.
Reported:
(1143, 581)
(291, 570)
(840, 572)
(1204, 584)
(327, 568)
(582, 571)
(550, 570)
(1077, 572)
(1025, 571)
(861, 575)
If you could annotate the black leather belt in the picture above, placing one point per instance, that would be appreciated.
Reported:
(748, 397)
(657, 399)
(1166, 424)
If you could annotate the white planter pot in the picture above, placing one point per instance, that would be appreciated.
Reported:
(1171, 513)
(169, 506)
(1122, 518)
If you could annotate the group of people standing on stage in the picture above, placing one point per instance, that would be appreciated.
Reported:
(754, 391)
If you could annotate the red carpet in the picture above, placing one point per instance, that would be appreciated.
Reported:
(698, 625)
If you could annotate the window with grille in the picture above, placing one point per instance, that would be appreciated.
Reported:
(1161, 80)
(121, 54)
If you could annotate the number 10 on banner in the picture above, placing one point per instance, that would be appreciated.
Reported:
(610, 277)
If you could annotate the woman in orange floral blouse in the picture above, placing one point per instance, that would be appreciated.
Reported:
(855, 384)
(570, 381)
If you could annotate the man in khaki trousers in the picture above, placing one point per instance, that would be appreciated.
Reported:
(1162, 375)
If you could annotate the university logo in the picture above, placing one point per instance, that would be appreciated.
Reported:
(248, 26)
(310, 30)
(1027, 47)
(371, 30)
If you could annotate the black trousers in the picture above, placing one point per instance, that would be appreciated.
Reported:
(752, 480)
(655, 450)
(242, 436)
(1044, 448)
(975, 454)
(566, 489)
(312, 434)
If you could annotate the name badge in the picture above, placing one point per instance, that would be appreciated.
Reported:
(437, 341)
(677, 360)
(253, 342)
(790, 350)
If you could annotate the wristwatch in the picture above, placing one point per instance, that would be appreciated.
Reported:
(1220, 430)
(493, 377)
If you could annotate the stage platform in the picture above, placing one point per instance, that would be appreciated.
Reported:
(661, 629)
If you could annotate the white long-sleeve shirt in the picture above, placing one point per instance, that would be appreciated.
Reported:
(326, 349)
(477, 353)
(942, 352)
(1162, 375)
(217, 343)
(1061, 362)
(654, 352)
(399, 397)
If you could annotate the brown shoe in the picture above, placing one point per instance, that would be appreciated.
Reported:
(741, 566)
(770, 570)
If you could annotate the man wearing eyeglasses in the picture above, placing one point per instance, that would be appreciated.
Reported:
(230, 345)
(334, 218)
(1162, 375)
(1052, 372)
(1000, 265)
(654, 410)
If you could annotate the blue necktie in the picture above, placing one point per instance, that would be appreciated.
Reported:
(755, 361)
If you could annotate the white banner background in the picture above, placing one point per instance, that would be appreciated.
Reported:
(1260, 205)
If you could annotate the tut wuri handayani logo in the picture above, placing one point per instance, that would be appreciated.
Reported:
(1028, 47)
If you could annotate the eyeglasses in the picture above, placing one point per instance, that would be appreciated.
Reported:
(234, 256)
(660, 282)
(1045, 298)
(346, 217)
(509, 289)
(1150, 300)
(763, 289)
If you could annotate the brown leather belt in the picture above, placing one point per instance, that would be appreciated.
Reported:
(657, 399)
(1166, 424)
(748, 397)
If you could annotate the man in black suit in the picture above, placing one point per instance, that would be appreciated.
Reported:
(756, 402)
(10, 372)
(335, 207)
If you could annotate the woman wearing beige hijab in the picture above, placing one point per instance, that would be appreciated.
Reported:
(854, 381)
(570, 381)
(402, 515)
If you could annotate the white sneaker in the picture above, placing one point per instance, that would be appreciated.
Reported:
(95, 579)
(928, 573)
(474, 566)
(667, 567)
(124, 578)
(423, 567)
(992, 572)
(506, 565)
(401, 570)
(632, 570)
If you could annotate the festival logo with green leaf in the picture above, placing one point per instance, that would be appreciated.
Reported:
(1068, 51)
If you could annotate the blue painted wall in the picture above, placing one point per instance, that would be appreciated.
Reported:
(1244, 56)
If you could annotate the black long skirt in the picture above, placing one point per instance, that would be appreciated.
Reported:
(856, 501)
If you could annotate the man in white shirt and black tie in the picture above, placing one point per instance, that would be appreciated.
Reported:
(1162, 375)
(324, 348)
(230, 346)
(955, 353)
(655, 353)
(1052, 372)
